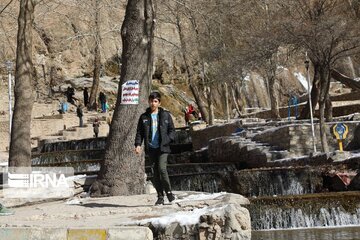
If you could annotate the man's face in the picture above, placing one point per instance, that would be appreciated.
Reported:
(154, 104)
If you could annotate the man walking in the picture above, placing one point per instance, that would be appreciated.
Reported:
(156, 128)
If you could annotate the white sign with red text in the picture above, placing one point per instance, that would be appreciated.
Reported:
(130, 92)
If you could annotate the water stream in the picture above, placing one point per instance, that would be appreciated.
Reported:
(337, 233)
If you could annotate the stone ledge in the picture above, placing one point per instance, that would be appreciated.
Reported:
(42, 233)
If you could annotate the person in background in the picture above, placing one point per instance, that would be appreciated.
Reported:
(96, 127)
(102, 99)
(62, 107)
(199, 116)
(70, 92)
(156, 128)
(80, 114)
(86, 97)
(187, 116)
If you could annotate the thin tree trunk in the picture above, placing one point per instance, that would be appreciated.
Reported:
(123, 172)
(233, 96)
(328, 109)
(323, 138)
(273, 98)
(52, 74)
(210, 105)
(194, 90)
(226, 102)
(240, 99)
(324, 89)
(47, 39)
(97, 58)
(20, 145)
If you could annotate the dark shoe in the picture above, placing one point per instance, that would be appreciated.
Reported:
(170, 196)
(160, 201)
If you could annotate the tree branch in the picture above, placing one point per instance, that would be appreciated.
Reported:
(5, 7)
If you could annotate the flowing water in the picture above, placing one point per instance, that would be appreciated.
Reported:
(337, 233)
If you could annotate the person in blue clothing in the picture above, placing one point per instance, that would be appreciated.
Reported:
(156, 128)
(102, 99)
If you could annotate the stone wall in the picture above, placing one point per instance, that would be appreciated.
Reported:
(279, 137)
(297, 138)
(200, 138)
(352, 96)
(337, 111)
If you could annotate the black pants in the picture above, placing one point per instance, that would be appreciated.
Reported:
(160, 179)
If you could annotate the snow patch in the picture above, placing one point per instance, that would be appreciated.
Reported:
(201, 197)
(182, 217)
(75, 201)
(301, 79)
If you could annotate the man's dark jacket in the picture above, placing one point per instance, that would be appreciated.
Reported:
(165, 127)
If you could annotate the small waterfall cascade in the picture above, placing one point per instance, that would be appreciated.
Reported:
(297, 218)
(83, 155)
(199, 183)
(278, 181)
(188, 171)
(83, 144)
(202, 177)
(308, 211)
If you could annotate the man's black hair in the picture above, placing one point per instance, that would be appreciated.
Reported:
(155, 95)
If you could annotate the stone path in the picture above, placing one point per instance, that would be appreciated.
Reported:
(138, 210)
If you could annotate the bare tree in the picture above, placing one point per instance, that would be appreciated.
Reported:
(123, 172)
(20, 145)
(329, 32)
(97, 56)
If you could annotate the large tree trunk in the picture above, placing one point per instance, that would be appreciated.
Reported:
(315, 94)
(20, 145)
(97, 58)
(123, 172)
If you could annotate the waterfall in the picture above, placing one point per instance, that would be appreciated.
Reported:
(297, 218)
(278, 182)
(84, 144)
(203, 183)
